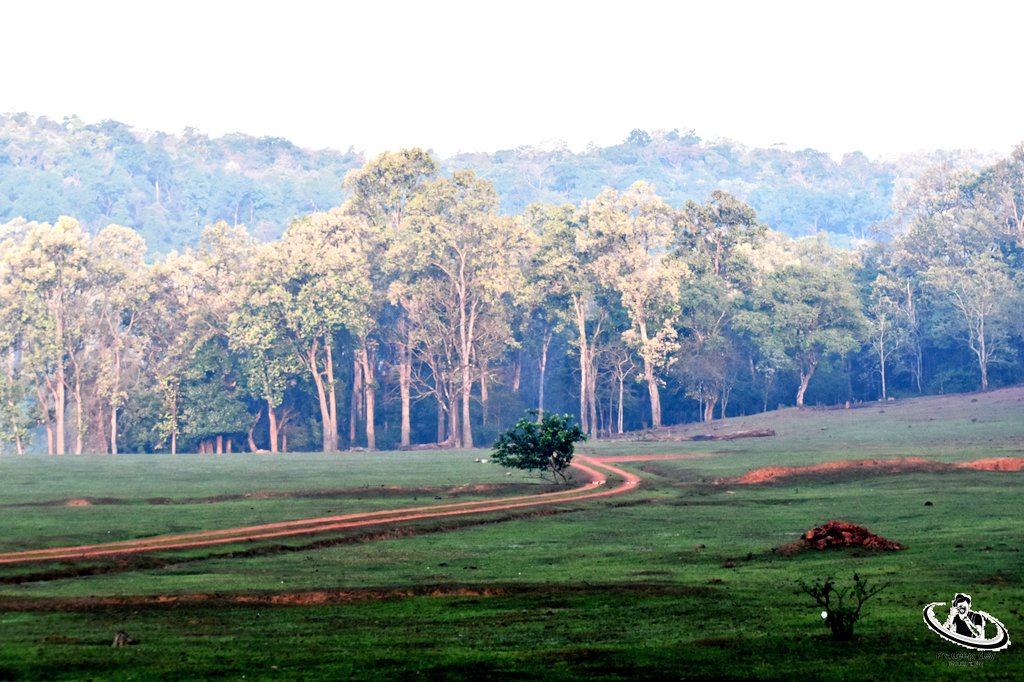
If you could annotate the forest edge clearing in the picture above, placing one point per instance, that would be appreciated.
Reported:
(595, 486)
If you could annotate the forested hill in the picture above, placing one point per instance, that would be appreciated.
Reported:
(169, 187)
(166, 187)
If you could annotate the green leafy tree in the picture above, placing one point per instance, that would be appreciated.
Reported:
(629, 235)
(804, 314)
(546, 446)
(319, 278)
(119, 294)
(564, 272)
(47, 271)
(887, 323)
(174, 324)
(454, 234)
(984, 302)
(267, 362)
(214, 411)
(381, 192)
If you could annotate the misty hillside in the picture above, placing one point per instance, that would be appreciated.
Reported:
(168, 187)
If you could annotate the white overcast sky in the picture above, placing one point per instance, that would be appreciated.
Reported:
(880, 77)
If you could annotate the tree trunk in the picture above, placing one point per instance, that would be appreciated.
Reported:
(174, 425)
(652, 390)
(79, 416)
(356, 408)
(483, 391)
(592, 395)
(517, 373)
(405, 390)
(918, 368)
(43, 400)
(366, 359)
(272, 420)
(622, 391)
(287, 415)
(652, 380)
(467, 392)
(709, 408)
(581, 327)
(60, 380)
(881, 362)
(440, 419)
(371, 428)
(252, 427)
(805, 378)
(329, 444)
(467, 341)
(454, 432)
(113, 429)
(982, 355)
(220, 444)
(79, 413)
(543, 372)
(12, 409)
(333, 394)
(59, 404)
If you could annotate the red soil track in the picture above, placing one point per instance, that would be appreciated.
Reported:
(596, 486)
(895, 466)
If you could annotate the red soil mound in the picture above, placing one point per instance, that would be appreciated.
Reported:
(843, 534)
(78, 503)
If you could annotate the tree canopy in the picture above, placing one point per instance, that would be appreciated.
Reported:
(546, 444)
(415, 311)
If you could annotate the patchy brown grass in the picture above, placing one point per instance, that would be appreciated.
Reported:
(342, 596)
(362, 493)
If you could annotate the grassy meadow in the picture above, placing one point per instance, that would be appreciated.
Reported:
(680, 579)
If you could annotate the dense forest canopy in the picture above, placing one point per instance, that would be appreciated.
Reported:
(169, 187)
(419, 310)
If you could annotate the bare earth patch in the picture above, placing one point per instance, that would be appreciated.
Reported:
(900, 465)
(996, 464)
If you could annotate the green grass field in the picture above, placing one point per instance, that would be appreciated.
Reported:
(679, 579)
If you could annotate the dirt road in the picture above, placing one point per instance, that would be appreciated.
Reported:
(595, 471)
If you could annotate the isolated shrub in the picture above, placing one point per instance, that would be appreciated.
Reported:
(839, 614)
(546, 446)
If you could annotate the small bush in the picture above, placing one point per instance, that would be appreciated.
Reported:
(546, 445)
(840, 617)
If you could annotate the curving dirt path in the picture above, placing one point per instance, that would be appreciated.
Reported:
(596, 486)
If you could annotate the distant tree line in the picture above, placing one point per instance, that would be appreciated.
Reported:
(169, 187)
(417, 313)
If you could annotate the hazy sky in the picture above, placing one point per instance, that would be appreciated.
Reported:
(880, 77)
